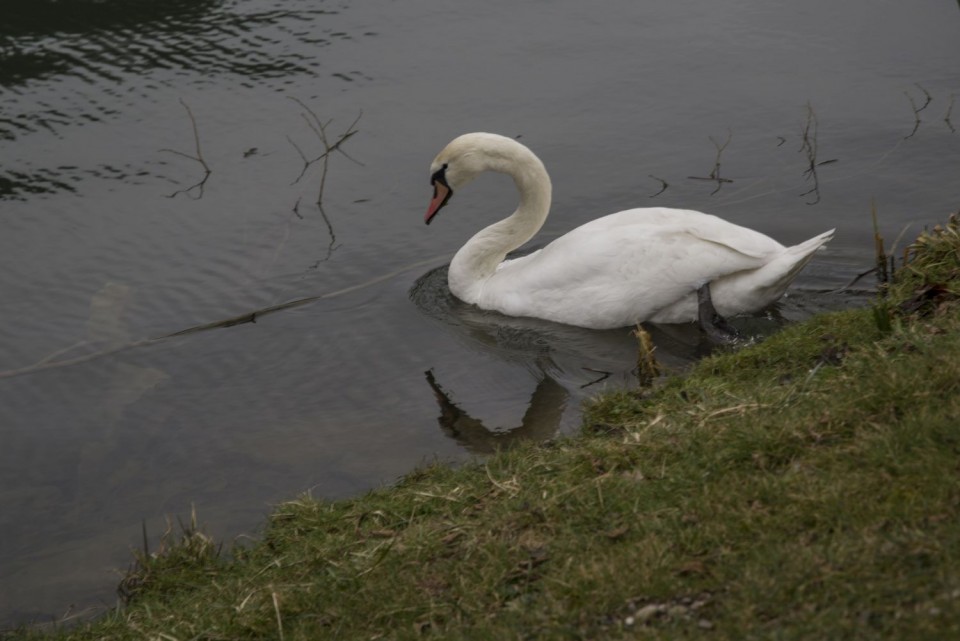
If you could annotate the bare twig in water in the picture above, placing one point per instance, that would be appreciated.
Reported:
(946, 118)
(303, 157)
(853, 281)
(916, 116)
(662, 182)
(604, 375)
(809, 145)
(782, 141)
(319, 128)
(333, 238)
(917, 110)
(198, 158)
(926, 94)
(332, 245)
(715, 173)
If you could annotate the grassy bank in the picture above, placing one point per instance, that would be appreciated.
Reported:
(804, 488)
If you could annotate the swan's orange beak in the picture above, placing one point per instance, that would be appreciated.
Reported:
(441, 194)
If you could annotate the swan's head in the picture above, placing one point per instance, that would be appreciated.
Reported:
(464, 159)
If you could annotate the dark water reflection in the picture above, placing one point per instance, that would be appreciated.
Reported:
(568, 361)
(111, 417)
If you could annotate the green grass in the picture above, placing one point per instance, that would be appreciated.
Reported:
(804, 488)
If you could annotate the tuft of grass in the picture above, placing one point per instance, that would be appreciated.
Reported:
(177, 564)
(806, 487)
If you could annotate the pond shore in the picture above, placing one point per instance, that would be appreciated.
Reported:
(805, 487)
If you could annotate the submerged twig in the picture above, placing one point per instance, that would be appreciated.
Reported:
(926, 94)
(319, 127)
(198, 158)
(662, 182)
(332, 245)
(853, 281)
(946, 118)
(808, 144)
(604, 375)
(917, 110)
(715, 173)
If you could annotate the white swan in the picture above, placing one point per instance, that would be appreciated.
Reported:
(653, 264)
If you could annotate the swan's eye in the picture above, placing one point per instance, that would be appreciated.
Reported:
(440, 176)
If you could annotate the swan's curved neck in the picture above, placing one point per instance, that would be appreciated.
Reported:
(478, 259)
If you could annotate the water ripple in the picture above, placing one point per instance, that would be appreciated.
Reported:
(58, 50)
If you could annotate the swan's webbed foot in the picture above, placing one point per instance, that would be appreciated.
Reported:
(715, 326)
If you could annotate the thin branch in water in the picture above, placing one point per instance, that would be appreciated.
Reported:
(808, 144)
(926, 94)
(854, 281)
(715, 173)
(604, 375)
(306, 163)
(716, 165)
(333, 238)
(782, 141)
(917, 110)
(662, 189)
(916, 117)
(332, 245)
(946, 118)
(197, 158)
(319, 128)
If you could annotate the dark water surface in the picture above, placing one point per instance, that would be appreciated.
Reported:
(105, 242)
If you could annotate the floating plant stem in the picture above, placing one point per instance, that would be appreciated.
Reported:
(197, 158)
(715, 173)
(808, 145)
(663, 188)
(319, 127)
(917, 110)
(946, 118)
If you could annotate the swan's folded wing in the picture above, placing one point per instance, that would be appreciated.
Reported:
(707, 227)
(681, 259)
(592, 276)
(739, 239)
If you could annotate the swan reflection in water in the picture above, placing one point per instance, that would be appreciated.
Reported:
(539, 422)
(569, 363)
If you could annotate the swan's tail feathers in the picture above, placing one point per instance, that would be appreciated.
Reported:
(801, 254)
(807, 247)
(774, 278)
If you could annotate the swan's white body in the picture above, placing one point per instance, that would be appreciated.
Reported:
(633, 266)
